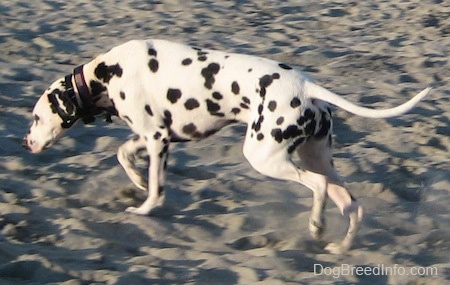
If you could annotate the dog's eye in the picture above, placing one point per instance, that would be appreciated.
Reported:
(36, 119)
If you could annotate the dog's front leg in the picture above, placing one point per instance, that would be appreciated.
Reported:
(127, 154)
(158, 148)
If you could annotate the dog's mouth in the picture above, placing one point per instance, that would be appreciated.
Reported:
(47, 145)
(33, 147)
(25, 144)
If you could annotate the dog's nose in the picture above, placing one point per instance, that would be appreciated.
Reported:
(25, 143)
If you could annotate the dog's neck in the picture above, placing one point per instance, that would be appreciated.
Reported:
(81, 96)
(84, 96)
(91, 95)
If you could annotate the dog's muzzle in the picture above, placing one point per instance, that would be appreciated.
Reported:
(25, 144)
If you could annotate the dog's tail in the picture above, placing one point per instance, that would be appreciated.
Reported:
(313, 90)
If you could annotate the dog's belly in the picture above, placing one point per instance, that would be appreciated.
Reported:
(197, 130)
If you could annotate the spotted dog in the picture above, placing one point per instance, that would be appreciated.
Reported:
(169, 92)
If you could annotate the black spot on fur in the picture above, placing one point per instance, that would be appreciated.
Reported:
(244, 106)
(301, 121)
(186, 61)
(324, 126)
(211, 106)
(309, 114)
(284, 66)
(272, 106)
(157, 136)
(66, 102)
(191, 104)
(295, 102)
(260, 108)
(167, 118)
(262, 92)
(96, 88)
(260, 137)
(69, 106)
(265, 81)
(209, 72)
(152, 52)
(250, 70)
(153, 64)
(173, 95)
(122, 95)
(246, 100)
(277, 134)
(280, 120)
(276, 76)
(148, 109)
(202, 55)
(235, 111)
(189, 129)
(292, 131)
(235, 88)
(310, 128)
(217, 95)
(257, 125)
(66, 110)
(106, 72)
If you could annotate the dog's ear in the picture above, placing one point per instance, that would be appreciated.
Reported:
(61, 104)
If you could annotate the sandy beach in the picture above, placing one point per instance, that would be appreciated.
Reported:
(62, 218)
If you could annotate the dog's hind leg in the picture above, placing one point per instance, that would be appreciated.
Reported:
(316, 156)
(272, 159)
(126, 155)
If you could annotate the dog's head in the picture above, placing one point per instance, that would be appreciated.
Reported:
(54, 113)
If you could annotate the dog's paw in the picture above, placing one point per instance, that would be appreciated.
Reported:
(335, 248)
(137, 211)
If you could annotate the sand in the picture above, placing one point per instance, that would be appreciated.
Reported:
(61, 212)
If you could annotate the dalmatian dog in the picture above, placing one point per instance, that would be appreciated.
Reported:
(169, 92)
